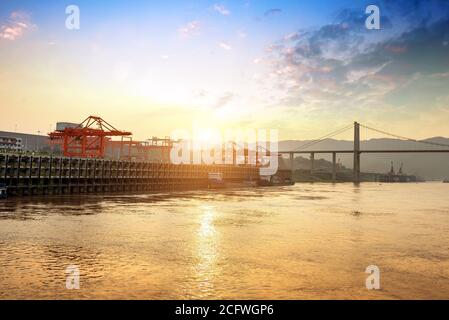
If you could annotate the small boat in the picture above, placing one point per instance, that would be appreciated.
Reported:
(3, 191)
(446, 181)
(270, 181)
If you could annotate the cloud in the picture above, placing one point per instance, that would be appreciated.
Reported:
(191, 28)
(224, 100)
(225, 46)
(17, 25)
(272, 12)
(343, 66)
(396, 49)
(221, 9)
(294, 36)
(242, 34)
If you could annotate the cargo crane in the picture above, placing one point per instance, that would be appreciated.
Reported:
(88, 139)
(143, 150)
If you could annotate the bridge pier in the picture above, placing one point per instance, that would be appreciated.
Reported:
(292, 159)
(312, 162)
(334, 166)
(356, 153)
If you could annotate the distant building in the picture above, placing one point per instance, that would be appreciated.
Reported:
(24, 142)
(11, 143)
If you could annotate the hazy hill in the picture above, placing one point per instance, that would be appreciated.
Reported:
(433, 166)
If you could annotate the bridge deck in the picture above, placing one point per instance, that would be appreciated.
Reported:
(364, 151)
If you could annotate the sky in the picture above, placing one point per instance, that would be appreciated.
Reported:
(150, 67)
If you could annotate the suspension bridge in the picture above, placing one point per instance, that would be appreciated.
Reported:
(356, 150)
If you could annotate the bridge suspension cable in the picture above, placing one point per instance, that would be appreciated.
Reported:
(405, 138)
(328, 136)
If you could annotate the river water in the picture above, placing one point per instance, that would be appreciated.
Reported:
(308, 241)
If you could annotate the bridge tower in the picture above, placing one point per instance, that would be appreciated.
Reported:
(356, 152)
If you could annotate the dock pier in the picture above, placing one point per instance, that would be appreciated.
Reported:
(30, 175)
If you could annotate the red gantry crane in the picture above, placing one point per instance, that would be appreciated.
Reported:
(88, 139)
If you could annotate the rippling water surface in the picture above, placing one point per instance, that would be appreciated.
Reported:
(300, 242)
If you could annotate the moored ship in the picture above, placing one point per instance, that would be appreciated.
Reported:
(400, 176)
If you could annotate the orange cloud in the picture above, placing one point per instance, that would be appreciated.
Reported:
(396, 49)
(190, 29)
(18, 23)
